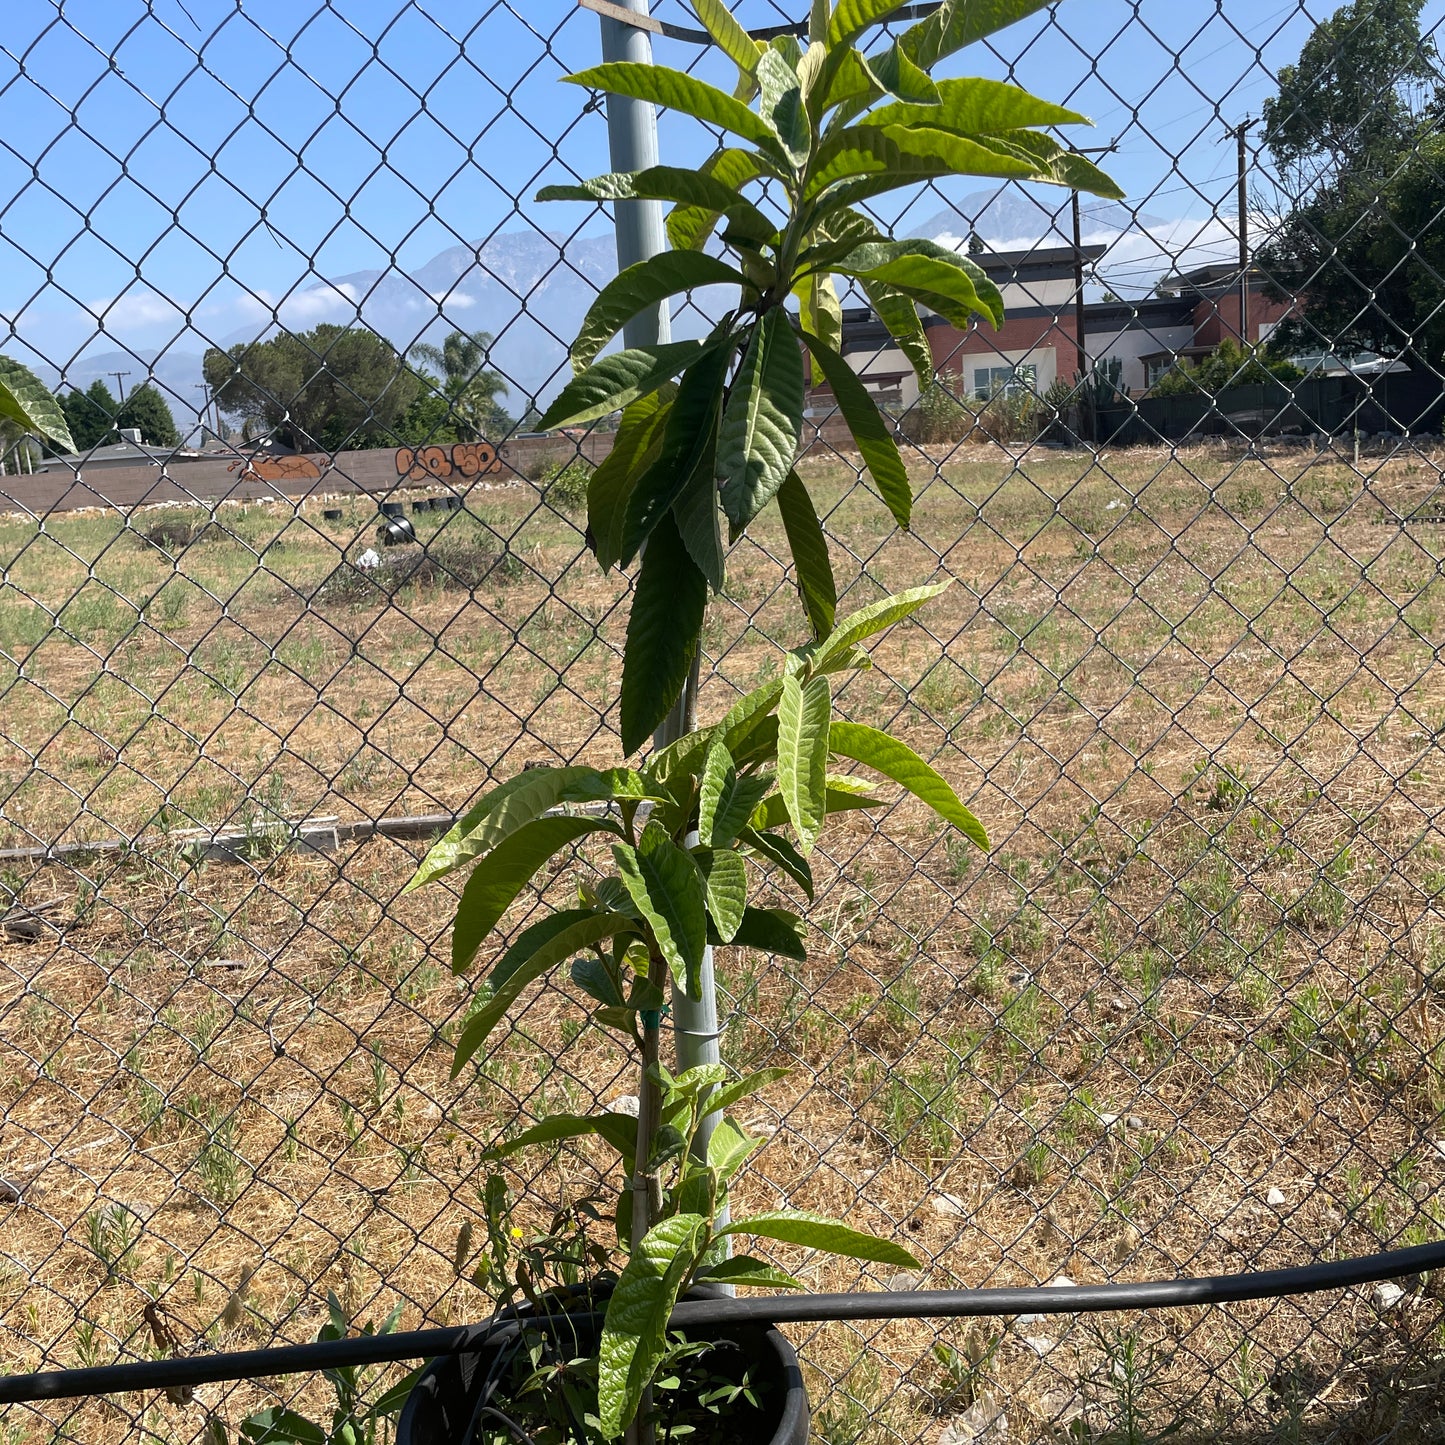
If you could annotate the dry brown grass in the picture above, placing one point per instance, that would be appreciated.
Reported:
(1196, 700)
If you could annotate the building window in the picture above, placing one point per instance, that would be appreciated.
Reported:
(1156, 369)
(1004, 380)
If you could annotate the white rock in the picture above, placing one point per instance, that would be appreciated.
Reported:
(1133, 1122)
(983, 1423)
(1387, 1295)
(1107, 1121)
(1024, 1322)
(1062, 1281)
(1113, 506)
(949, 1204)
(628, 1104)
(907, 1280)
(1041, 1344)
(1439, 1147)
(369, 559)
(1275, 1198)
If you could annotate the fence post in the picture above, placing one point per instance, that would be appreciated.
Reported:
(632, 146)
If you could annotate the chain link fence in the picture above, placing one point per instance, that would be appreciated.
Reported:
(1185, 1018)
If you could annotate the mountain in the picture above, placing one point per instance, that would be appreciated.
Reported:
(1012, 218)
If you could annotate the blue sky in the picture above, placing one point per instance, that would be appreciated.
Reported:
(149, 180)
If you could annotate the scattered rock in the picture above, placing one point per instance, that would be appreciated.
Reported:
(1062, 1281)
(1387, 1295)
(1438, 1145)
(1024, 1322)
(1060, 1407)
(628, 1104)
(1275, 1198)
(1133, 1122)
(222, 963)
(950, 1205)
(1107, 1121)
(1041, 1344)
(903, 1281)
(369, 559)
(10, 1192)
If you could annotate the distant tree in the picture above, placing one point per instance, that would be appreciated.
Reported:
(326, 389)
(1354, 134)
(91, 415)
(1229, 364)
(146, 411)
(469, 386)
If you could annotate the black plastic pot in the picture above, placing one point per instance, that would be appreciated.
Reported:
(443, 1405)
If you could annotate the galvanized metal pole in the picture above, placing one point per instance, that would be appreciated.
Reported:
(632, 142)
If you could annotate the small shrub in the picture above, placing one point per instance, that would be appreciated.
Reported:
(938, 416)
(446, 564)
(567, 488)
(174, 533)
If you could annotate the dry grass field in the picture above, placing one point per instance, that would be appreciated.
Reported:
(1186, 1017)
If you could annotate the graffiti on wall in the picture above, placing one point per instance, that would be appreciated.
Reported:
(277, 469)
(436, 464)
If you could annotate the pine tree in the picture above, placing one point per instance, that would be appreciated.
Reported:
(145, 409)
(90, 415)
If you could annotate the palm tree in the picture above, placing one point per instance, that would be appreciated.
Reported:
(469, 386)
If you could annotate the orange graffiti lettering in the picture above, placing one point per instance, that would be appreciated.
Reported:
(435, 464)
(277, 469)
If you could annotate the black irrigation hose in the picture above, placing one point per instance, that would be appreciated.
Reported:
(769, 1309)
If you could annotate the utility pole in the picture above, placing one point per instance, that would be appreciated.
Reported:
(204, 386)
(1239, 132)
(119, 375)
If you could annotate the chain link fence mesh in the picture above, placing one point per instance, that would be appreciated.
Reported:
(1186, 1017)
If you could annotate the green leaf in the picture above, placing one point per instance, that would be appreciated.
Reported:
(975, 106)
(872, 619)
(899, 76)
(580, 935)
(777, 849)
(730, 1148)
(534, 937)
(748, 712)
(957, 23)
(899, 313)
(811, 562)
(843, 795)
(803, 714)
(662, 633)
(677, 91)
(1057, 165)
(696, 515)
(280, 1426)
(853, 17)
(495, 816)
(731, 38)
(504, 872)
(782, 105)
(689, 446)
(771, 930)
(731, 1093)
(816, 1231)
(667, 889)
(725, 881)
(634, 1334)
(618, 1130)
(616, 380)
(594, 978)
(896, 760)
(641, 286)
(763, 419)
(671, 183)
(638, 439)
(875, 442)
(742, 1269)
(27, 401)
(819, 309)
(927, 267)
(689, 226)
(726, 801)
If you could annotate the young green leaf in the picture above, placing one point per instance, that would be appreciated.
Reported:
(811, 562)
(899, 76)
(896, 760)
(957, 23)
(763, 419)
(803, 714)
(725, 800)
(634, 1334)
(618, 379)
(689, 447)
(853, 17)
(27, 401)
(816, 1231)
(782, 105)
(495, 816)
(731, 38)
(667, 889)
(618, 1130)
(743, 1088)
(662, 633)
(871, 619)
(771, 930)
(725, 880)
(582, 934)
(730, 1148)
(638, 440)
(875, 442)
(677, 91)
(504, 872)
(643, 285)
(595, 979)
